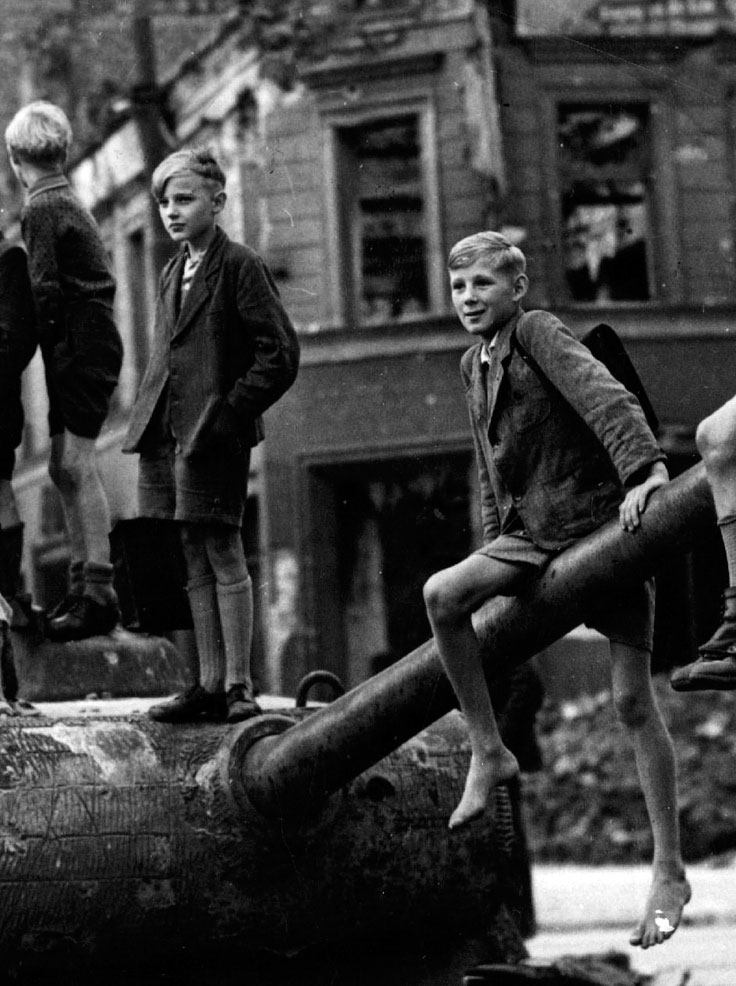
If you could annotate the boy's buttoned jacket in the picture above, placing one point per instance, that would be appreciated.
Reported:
(232, 343)
(555, 448)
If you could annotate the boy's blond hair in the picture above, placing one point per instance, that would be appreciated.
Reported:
(39, 133)
(199, 161)
(492, 247)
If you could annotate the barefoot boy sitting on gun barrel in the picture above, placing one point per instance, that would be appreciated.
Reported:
(562, 447)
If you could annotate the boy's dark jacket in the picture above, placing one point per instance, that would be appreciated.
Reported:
(232, 344)
(557, 452)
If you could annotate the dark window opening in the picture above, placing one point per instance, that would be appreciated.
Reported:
(397, 522)
(386, 218)
(603, 157)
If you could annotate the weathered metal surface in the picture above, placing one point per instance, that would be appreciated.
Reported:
(120, 834)
(120, 663)
(306, 763)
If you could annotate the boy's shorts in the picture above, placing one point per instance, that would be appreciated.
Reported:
(82, 371)
(197, 489)
(625, 615)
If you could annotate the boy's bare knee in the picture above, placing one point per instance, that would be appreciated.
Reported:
(438, 599)
(715, 438)
(705, 437)
(632, 709)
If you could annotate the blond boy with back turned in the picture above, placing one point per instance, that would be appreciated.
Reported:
(73, 290)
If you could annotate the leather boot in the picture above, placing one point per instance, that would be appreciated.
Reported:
(716, 666)
(723, 641)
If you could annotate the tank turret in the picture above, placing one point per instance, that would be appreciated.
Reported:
(319, 832)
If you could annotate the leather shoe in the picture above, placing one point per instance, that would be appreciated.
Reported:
(723, 641)
(707, 673)
(84, 618)
(193, 705)
(63, 606)
(240, 704)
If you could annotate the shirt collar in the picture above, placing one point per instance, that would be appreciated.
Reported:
(46, 183)
(194, 258)
(486, 349)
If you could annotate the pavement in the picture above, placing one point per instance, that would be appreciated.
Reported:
(590, 910)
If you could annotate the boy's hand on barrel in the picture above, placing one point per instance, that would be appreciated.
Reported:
(635, 502)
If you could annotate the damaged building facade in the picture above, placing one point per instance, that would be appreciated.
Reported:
(599, 139)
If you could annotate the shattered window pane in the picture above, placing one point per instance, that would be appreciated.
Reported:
(603, 163)
(389, 219)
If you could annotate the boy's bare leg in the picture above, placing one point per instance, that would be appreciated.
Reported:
(638, 712)
(451, 596)
(73, 470)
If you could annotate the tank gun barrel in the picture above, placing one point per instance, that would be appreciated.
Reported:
(294, 771)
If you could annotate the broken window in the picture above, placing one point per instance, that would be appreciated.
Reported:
(384, 216)
(603, 158)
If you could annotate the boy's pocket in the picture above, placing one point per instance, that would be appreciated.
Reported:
(528, 414)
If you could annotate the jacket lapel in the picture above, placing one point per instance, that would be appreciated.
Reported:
(169, 288)
(201, 287)
(499, 363)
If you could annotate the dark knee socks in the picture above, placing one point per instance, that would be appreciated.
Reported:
(98, 582)
(207, 633)
(235, 603)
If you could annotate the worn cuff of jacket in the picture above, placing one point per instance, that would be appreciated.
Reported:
(641, 474)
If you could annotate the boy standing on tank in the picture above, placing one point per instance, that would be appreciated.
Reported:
(73, 290)
(561, 447)
(224, 351)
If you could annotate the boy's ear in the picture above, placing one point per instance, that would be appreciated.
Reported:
(218, 201)
(521, 286)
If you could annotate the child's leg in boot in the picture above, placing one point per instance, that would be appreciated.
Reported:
(94, 612)
(235, 601)
(202, 592)
(73, 469)
(451, 596)
(638, 712)
(716, 442)
(205, 700)
(236, 617)
(75, 588)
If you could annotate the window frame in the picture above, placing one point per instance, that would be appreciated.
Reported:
(663, 246)
(342, 268)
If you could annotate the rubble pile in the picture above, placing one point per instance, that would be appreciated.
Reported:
(585, 805)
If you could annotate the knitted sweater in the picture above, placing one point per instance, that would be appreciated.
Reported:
(67, 260)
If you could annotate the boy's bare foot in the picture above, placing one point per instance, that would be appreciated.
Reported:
(484, 774)
(669, 893)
